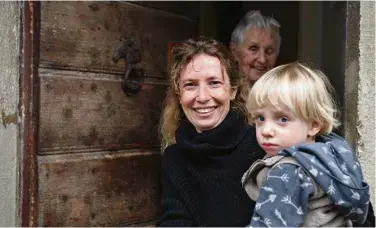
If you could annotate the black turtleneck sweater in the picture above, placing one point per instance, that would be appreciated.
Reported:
(202, 175)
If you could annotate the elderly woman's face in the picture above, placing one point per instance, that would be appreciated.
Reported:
(257, 53)
(205, 92)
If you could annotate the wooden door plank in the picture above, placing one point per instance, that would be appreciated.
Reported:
(28, 113)
(85, 35)
(188, 9)
(82, 114)
(100, 189)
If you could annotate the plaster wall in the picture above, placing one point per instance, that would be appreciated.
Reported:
(9, 97)
(360, 86)
(365, 127)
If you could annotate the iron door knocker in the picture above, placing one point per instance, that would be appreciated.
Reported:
(133, 78)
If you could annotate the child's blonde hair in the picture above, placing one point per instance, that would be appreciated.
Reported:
(304, 91)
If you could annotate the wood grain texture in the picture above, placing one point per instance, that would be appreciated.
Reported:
(98, 155)
(188, 9)
(100, 189)
(85, 35)
(79, 114)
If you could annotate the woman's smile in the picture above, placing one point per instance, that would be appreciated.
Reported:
(205, 92)
(204, 110)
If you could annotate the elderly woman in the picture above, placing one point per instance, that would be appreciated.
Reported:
(211, 144)
(255, 44)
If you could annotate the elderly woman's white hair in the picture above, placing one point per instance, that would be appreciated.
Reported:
(255, 19)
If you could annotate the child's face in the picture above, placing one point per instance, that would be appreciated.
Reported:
(280, 128)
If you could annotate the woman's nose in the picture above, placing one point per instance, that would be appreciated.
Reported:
(261, 57)
(203, 94)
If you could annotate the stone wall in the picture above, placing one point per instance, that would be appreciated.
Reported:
(365, 127)
(9, 97)
(360, 86)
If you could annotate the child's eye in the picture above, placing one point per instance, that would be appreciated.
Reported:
(283, 119)
(259, 118)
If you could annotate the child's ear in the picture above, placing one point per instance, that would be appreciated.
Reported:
(233, 91)
(314, 128)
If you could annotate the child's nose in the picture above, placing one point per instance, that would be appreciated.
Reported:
(268, 130)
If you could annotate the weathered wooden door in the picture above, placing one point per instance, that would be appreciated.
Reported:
(92, 151)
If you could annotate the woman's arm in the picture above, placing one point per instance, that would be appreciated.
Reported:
(174, 211)
(283, 198)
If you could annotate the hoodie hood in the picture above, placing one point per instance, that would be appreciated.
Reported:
(334, 166)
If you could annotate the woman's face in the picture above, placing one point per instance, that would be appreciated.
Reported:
(257, 53)
(205, 92)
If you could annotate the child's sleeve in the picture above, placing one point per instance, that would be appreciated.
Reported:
(283, 198)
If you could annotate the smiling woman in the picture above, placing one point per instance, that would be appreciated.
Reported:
(196, 66)
(205, 92)
(255, 43)
(210, 143)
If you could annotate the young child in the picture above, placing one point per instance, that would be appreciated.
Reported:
(310, 176)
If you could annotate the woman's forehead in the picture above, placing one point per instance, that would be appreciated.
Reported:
(261, 36)
(201, 61)
(203, 66)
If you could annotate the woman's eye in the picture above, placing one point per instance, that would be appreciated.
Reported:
(253, 48)
(269, 51)
(189, 86)
(215, 83)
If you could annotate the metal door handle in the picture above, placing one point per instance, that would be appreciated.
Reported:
(133, 78)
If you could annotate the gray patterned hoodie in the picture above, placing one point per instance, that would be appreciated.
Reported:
(318, 184)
